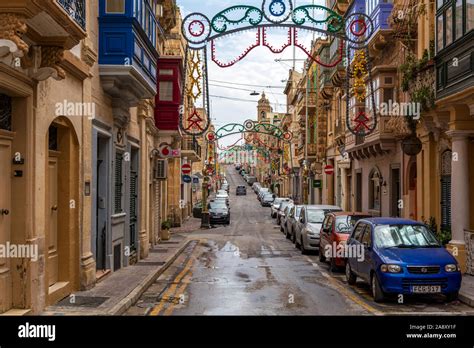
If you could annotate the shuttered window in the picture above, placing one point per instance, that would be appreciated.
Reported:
(118, 207)
(446, 161)
(133, 208)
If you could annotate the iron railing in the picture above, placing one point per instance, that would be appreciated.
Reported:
(76, 10)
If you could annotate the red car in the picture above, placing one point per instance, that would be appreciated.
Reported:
(335, 231)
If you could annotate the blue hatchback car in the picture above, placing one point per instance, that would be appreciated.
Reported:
(399, 256)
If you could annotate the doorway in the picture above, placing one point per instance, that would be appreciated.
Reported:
(102, 204)
(61, 210)
(412, 197)
(6, 138)
(358, 191)
(395, 210)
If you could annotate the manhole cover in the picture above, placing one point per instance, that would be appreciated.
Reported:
(82, 301)
(142, 263)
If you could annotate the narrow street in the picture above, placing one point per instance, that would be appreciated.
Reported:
(250, 268)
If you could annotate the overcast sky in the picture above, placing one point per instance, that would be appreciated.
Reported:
(257, 68)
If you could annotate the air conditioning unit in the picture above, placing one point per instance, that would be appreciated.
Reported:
(161, 169)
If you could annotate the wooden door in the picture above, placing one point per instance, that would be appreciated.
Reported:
(52, 220)
(5, 220)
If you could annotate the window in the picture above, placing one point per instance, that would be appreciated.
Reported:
(118, 183)
(358, 232)
(166, 91)
(440, 34)
(115, 6)
(166, 72)
(469, 15)
(367, 237)
(449, 26)
(458, 18)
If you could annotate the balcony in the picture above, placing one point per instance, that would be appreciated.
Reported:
(128, 54)
(302, 103)
(76, 10)
(168, 20)
(41, 32)
(191, 149)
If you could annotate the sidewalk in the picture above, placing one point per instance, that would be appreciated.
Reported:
(120, 290)
(466, 294)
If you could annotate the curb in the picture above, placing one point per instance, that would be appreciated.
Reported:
(135, 294)
(466, 299)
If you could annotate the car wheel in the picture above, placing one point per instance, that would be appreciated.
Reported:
(293, 237)
(303, 250)
(287, 234)
(377, 292)
(297, 244)
(322, 258)
(452, 296)
(350, 276)
(281, 229)
(333, 266)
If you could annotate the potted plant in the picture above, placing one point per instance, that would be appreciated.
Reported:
(165, 229)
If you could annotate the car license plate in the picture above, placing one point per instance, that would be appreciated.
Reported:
(426, 289)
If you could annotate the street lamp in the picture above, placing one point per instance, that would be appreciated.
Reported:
(254, 94)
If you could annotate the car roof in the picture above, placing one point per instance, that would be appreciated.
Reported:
(391, 221)
(322, 207)
(352, 213)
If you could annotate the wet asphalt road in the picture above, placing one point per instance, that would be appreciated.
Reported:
(250, 268)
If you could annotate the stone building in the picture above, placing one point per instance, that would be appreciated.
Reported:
(77, 135)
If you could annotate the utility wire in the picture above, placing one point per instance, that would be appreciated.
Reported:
(239, 89)
(245, 84)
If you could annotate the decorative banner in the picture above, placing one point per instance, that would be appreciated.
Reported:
(274, 17)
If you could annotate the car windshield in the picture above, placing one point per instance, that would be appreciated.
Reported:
(218, 205)
(283, 205)
(344, 223)
(316, 216)
(221, 192)
(278, 201)
(404, 236)
(268, 197)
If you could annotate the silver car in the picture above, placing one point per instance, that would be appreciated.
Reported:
(284, 216)
(309, 226)
(291, 222)
(281, 210)
(276, 205)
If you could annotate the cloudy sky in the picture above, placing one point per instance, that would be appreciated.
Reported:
(258, 69)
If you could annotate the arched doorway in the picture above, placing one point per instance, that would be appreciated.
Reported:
(61, 209)
(412, 196)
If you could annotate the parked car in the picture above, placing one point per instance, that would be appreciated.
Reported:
(225, 187)
(284, 216)
(256, 186)
(401, 256)
(281, 210)
(335, 232)
(262, 192)
(275, 206)
(291, 221)
(238, 167)
(251, 180)
(267, 200)
(221, 194)
(309, 226)
(219, 212)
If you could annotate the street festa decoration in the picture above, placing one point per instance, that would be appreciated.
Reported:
(354, 32)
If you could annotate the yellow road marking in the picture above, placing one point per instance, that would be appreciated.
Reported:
(179, 292)
(156, 310)
(350, 295)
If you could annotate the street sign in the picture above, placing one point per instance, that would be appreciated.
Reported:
(329, 170)
(317, 184)
(187, 179)
(195, 180)
(186, 169)
(176, 153)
